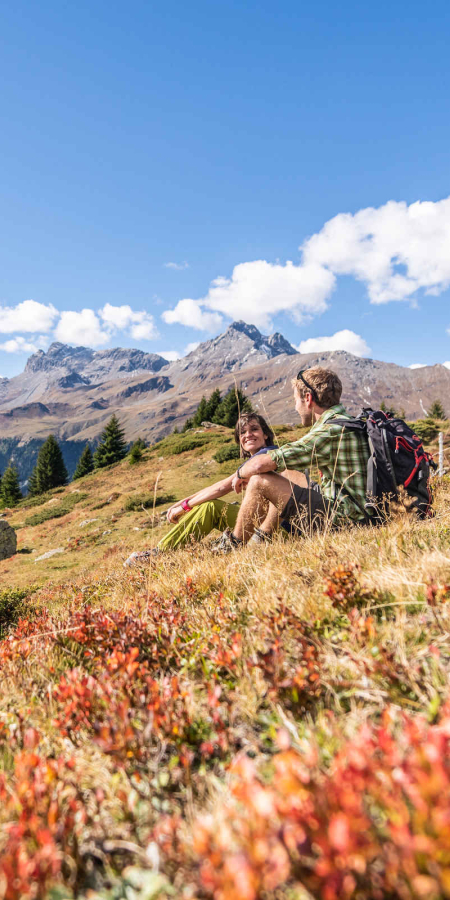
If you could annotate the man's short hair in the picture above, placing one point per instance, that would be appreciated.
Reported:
(243, 420)
(326, 385)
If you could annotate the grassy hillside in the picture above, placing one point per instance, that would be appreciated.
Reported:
(273, 725)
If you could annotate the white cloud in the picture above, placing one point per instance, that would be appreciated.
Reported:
(28, 316)
(177, 266)
(189, 312)
(417, 366)
(395, 251)
(190, 347)
(447, 364)
(341, 340)
(87, 327)
(81, 328)
(143, 329)
(170, 355)
(255, 292)
(122, 318)
(19, 344)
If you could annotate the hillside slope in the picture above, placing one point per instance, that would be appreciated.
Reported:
(273, 725)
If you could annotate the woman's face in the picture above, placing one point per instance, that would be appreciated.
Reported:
(252, 437)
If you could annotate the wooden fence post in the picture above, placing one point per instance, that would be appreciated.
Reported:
(441, 454)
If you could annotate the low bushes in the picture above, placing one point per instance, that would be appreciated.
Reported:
(147, 501)
(426, 429)
(314, 736)
(190, 443)
(55, 512)
(374, 825)
(12, 605)
(226, 453)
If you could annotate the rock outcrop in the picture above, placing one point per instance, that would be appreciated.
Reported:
(8, 540)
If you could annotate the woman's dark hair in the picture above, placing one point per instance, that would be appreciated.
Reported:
(250, 417)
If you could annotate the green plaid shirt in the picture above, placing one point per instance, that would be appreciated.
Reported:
(341, 456)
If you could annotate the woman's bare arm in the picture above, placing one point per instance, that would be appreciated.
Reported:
(213, 492)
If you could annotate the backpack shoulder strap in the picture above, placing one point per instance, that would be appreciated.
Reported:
(356, 424)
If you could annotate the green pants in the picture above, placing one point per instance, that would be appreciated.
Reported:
(199, 522)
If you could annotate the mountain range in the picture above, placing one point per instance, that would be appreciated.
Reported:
(72, 391)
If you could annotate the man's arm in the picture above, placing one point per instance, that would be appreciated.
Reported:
(253, 466)
(304, 453)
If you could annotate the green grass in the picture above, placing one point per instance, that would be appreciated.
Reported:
(55, 512)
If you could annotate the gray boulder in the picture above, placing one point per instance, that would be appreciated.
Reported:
(8, 540)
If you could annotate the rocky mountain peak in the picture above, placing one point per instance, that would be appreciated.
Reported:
(250, 330)
(239, 347)
(278, 344)
(272, 345)
(94, 364)
(59, 356)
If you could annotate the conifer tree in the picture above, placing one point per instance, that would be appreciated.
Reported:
(231, 407)
(32, 486)
(85, 463)
(212, 405)
(10, 492)
(112, 447)
(436, 411)
(50, 470)
(200, 413)
(135, 453)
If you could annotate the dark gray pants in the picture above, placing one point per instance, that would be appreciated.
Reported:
(305, 508)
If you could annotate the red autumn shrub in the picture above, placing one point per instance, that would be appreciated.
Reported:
(291, 661)
(28, 635)
(343, 588)
(41, 815)
(438, 594)
(126, 711)
(376, 825)
(158, 633)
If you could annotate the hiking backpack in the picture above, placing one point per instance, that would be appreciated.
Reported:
(397, 461)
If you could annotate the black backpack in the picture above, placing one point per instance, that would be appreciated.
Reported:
(397, 460)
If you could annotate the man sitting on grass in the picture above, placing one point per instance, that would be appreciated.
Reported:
(339, 454)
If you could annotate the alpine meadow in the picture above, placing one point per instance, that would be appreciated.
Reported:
(272, 726)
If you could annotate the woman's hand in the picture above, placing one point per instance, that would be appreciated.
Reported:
(175, 513)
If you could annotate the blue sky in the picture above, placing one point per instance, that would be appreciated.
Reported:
(221, 138)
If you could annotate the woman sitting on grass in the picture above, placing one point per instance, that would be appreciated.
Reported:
(197, 515)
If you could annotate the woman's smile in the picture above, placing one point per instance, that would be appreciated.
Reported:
(253, 438)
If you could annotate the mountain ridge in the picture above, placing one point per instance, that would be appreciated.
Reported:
(81, 388)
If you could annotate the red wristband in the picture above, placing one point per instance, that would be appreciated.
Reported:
(185, 505)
